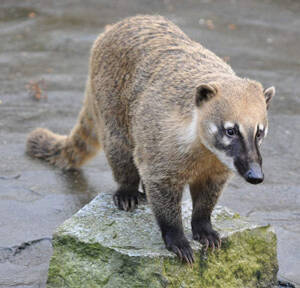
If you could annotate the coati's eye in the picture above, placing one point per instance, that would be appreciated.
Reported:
(259, 133)
(231, 132)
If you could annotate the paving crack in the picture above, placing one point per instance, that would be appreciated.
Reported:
(7, 253)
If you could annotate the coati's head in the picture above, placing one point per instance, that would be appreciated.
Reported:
(232, 119)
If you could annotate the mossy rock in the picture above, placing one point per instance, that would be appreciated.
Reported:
(101, 246)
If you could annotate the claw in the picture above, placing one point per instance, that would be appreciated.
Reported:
(179, 245)
(115, 198)
(219, 243)
(190, 258)
(132, 203)
(118, 203)
(177, 252)
(208, 237)
(187, 260)
(126, 199)
(193, 257)
(125, 204)
(206, 244)
(212, 246)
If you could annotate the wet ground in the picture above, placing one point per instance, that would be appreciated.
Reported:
(49, 41)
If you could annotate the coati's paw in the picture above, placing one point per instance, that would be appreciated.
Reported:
(178, 244)
(207, 236)
(126, 199)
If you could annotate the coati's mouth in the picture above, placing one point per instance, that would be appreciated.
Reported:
(253, 174)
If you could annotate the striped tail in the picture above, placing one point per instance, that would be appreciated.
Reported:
(66, 152)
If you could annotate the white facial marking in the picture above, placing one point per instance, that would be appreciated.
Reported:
(192, 128)
(266, 131)
(226, 141)
(212, 128)
(228, 124)
(226, 160)
(189, 133)
(221, 155)
(261, 128)
(242, 130)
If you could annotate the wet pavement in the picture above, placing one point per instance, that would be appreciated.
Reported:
(49, 41)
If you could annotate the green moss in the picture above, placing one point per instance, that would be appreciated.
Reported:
(236, 216)
(71, 260)
(77, 264)
(247, 259)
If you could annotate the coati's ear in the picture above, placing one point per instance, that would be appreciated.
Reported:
(204, 93)
(269, 93)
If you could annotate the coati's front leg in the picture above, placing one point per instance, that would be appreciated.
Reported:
(205, 194)
(166, 205)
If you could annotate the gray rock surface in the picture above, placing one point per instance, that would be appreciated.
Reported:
(101, 246)
(21, 266)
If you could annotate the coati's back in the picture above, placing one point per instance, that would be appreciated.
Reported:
(139, 52)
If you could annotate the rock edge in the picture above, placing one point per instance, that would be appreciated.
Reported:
(101, 246)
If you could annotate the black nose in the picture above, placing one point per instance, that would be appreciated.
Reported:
(254, 175)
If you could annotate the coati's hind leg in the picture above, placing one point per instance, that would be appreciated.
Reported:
(205, 194)
(124, 170)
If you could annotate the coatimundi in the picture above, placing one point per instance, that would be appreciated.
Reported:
(167, 112)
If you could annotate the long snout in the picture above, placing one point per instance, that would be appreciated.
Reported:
(255, 174)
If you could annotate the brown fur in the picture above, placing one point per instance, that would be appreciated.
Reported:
(67, 152)
(140, 99)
